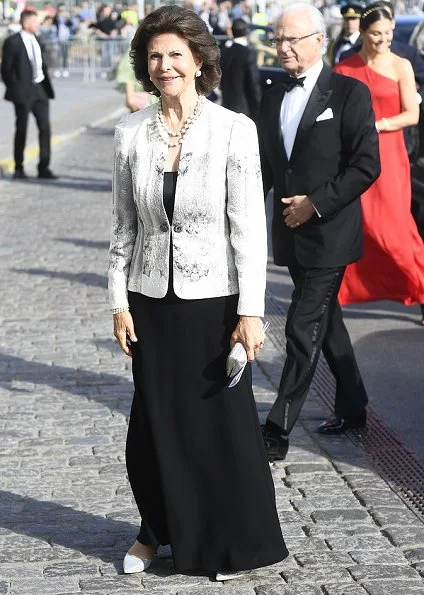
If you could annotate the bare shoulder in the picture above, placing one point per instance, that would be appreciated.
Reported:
(402, 66)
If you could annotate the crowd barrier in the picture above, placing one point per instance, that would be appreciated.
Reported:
(89, 59)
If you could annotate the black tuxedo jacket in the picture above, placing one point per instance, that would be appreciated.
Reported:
(16, 71)
(240, 81)
(333, 161)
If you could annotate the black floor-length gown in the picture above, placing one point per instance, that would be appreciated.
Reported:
(195, 456)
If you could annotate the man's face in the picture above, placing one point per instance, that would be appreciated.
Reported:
(297, 55)
(31, 24)
(350, 26)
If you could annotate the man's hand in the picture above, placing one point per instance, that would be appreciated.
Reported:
(299, 211)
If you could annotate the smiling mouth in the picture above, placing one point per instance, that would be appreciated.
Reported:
(167, 79)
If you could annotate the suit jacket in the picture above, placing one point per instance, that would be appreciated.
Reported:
(16, 71)
(240, 81)
(218, 230)
(333, 161)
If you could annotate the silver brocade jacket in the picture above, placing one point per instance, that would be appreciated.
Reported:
(218, 231)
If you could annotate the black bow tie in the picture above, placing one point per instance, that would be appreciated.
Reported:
(293, 82)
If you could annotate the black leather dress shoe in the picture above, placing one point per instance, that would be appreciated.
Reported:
(276, 444)
(47, 174)
(337, 425)
(20, 175)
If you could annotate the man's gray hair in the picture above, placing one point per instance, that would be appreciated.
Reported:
(315, 16)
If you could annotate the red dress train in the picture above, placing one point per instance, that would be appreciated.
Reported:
(392, 267)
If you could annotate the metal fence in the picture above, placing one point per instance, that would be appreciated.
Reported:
(89, 59)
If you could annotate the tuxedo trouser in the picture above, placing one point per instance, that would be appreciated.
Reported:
(39, 106)
(315, 323)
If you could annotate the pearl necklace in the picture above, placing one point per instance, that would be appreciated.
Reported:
(186, 126)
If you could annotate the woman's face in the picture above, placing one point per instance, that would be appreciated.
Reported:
(377, 38)
(171, 64)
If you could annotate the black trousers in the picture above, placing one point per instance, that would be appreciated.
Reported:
(315, 323)
(39, 106)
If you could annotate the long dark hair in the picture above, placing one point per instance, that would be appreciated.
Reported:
(189, 26)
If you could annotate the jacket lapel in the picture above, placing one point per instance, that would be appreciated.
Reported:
(320, 95)
(274, 128)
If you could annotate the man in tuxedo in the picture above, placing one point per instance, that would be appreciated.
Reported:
(240, 81)
(28, 87)
(349, 34)
(319, 151)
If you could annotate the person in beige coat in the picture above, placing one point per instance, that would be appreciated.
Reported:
(187, 280)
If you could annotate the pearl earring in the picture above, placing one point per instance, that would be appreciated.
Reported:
(198, 73)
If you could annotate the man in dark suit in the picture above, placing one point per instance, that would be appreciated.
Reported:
(319, 151)
(28, 86)
(349, 35)
(240, 81)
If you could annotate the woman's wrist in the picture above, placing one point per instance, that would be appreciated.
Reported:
(120, 310)
(383, 125)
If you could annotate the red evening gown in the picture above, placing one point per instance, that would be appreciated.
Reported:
(392, 267)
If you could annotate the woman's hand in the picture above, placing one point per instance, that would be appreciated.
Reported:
(249, 333)
(123, 329)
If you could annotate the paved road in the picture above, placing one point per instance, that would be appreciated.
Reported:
(66, 511)
(77, 104)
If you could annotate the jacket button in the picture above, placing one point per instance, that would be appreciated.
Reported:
(178, 228)
(164, 227)
(290, 171)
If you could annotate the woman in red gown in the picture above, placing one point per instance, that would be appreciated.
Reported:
(392, 267)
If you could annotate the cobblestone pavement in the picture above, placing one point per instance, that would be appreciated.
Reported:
(66, 512)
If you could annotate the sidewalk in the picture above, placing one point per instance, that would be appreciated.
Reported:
(66, 511)
(77, 106)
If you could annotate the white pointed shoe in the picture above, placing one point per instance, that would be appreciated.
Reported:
(228, 576)
(134, 564)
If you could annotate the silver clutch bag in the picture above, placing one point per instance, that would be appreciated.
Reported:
(237, 360)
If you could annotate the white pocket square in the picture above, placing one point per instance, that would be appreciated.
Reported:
(326, 115)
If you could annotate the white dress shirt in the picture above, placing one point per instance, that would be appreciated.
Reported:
(34, 54)
(348, 42)
(294, 103)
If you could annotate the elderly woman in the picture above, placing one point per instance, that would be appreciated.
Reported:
(187, 280)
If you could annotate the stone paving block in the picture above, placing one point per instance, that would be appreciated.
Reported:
(385, 516)
(378, 556)
(378, 497)
(308, 468)
(10, 571)
(393, 587)
(343, 590)
(34, 586)
(341, 516)
(382, 571)
(317, 503)
(227, 589)
(405, 537)
(323, 558)
(304, 589)
(4, 587)
(415, 555)
(317, 576)
(292, 516)
(359, 542)
(62, 569)
(330, 531)
(111, 583)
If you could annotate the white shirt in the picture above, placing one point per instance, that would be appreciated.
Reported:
(34, 54)
(347, 43)
(294, 103)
